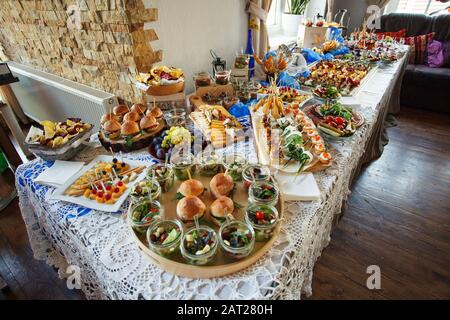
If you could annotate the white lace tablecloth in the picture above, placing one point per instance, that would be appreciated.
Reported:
(112, 267)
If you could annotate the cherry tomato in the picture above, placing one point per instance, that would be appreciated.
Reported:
(339, 120)
(259, 215)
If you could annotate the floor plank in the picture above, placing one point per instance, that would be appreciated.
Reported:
(398, 217)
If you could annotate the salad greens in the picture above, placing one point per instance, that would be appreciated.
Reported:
(336, 109)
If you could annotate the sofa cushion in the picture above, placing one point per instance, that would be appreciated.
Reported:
(425, 75)
(418, 46)
(434, 55)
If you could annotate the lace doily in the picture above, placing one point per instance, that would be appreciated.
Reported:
(112, 267)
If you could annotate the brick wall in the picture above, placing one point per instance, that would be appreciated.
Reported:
(105, 52)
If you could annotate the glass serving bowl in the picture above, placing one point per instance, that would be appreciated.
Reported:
(231, 234)
(144, 214)
(202, 79)
(175, 117)
(183, 165)
(199, 257)
(208, 163)
(165, 247)
(164, 174)
(263, 218)
(264, 192)
(145, 190)
(255, 172)
(222, 77)
(234, 164)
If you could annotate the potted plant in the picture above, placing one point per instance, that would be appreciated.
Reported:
(293, 16)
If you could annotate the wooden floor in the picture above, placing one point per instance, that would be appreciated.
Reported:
(398, 218)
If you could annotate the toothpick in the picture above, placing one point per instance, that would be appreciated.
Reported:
(121, 156)
(103, 185)
(197, 225)
(112, 152)
(189, 174)
(154, 102)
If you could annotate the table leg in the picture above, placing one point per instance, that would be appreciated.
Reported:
(14, 126)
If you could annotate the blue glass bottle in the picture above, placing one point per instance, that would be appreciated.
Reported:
(249, 51)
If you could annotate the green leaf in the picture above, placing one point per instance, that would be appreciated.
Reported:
(179, 196)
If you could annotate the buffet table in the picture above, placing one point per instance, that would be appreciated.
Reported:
(112, 267)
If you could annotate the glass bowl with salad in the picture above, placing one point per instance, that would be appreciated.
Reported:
(199, 246)
(147, 189)
(264, 192)
(255, 172)
(183, 165)
(263, 218)
(163, 173)
(237, 239)
(208, 163)
(143, 214)
(164, 237)
(234, 164)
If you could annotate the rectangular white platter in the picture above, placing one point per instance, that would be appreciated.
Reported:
(58, 194)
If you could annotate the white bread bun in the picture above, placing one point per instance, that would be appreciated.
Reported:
(189, 207)
(220, 208)
(191, 187)
(221, 185)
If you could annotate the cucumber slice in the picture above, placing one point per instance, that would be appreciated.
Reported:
(330, 132)
(171, 237)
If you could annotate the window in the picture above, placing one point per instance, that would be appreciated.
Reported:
(272, 17)
(418, 6)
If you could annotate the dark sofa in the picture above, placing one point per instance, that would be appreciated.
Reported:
(423, 87)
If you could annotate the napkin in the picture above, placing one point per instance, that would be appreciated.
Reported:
(59, 173)
(299, 187)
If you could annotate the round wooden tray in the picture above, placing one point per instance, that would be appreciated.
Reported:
(222, 265)
(142, 142)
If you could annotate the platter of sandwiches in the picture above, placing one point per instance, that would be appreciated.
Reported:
(127, 129)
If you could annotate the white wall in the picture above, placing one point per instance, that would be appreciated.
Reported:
(187, 29)
(315, 7)
(356, 10)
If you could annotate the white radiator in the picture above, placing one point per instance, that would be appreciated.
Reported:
(44, 96)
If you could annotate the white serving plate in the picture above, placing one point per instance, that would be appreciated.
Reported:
(58, 194)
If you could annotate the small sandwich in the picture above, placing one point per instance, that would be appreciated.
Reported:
(131, 116)
(111, 129)
(120, 110)
(107, 117)
(156, 112)
(129, 128)
(191, 187)
(148, 123)
(220, 208)
(189, 207)
(221, 185)
(139, 108)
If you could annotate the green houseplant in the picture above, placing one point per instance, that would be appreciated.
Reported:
(293, 15)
